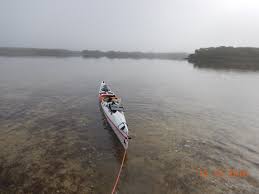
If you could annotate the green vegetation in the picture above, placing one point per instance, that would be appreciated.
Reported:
(226, 57)
(13, 52)
(133, 55)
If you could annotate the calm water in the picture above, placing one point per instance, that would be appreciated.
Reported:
(183, 121)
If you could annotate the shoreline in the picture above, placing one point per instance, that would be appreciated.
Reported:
(39, 52)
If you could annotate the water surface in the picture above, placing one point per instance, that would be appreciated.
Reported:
(54, 138)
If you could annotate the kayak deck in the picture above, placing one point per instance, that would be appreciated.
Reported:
(113, 111)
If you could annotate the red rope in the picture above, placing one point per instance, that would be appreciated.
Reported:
(119, 173)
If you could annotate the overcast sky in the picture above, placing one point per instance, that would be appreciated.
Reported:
(129, 25)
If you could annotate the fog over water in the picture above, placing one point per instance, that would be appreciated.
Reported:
(147, 25)
(55, 139)
(184, 119)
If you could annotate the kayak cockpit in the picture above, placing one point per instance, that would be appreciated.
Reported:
(115, 107)
(113, 103)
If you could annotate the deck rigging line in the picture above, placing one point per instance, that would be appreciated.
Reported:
(119, 173)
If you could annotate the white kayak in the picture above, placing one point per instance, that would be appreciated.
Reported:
(113, 111)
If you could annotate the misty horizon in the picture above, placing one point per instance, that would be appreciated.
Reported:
(146, 26)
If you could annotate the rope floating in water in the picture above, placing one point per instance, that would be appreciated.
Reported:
(119, 173)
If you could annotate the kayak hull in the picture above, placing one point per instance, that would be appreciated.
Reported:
(123, 137)
(114, 119)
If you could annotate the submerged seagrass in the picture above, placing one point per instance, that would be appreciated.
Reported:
(55, 139)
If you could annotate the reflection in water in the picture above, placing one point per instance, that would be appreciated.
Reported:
(233, 67)
(54, 138)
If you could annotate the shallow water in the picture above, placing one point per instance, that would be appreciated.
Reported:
(185, 123)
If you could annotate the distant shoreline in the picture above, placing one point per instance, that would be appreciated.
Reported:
(245, 58)
(226, 58)
(21, 52)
